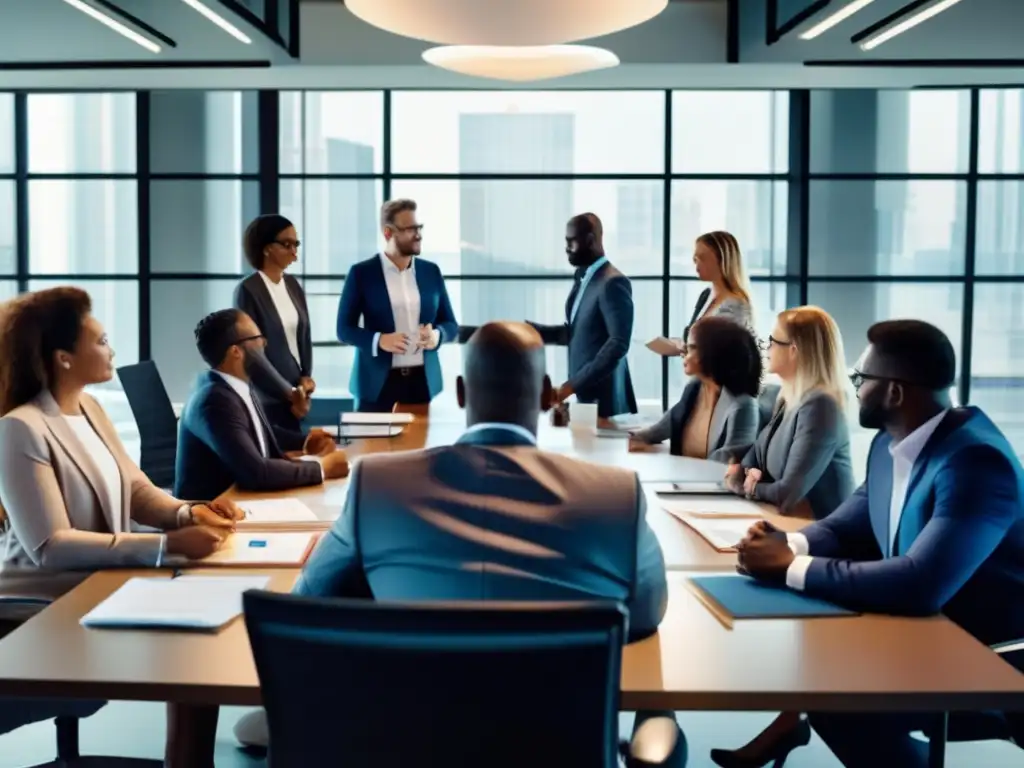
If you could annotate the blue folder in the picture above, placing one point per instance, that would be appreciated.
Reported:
(745, 598)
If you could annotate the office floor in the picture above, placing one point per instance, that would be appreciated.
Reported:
(136, 730)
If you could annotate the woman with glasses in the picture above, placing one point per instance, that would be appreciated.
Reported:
(717, 259)
(717, 416)
(277, 303)
(801, 460)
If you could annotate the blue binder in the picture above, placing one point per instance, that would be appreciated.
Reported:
(745, 598)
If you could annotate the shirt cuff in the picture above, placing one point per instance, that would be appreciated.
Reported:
(438, 337)
(185, 515)
(376, 342)
(796, 574)
(163, 550)
(798, 543)
(318, 463)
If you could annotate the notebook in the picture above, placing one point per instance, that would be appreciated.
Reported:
(721, 533)
(270, 514)
(376, 418)
(190, 602)
(713, 507)
(261, 549)
(694, 488)
(745, 598)
(664, 347)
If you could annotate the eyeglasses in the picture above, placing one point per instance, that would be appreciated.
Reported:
(415, 228)
(772, 341)
(857, 378)
(239, 342)
(291, 245)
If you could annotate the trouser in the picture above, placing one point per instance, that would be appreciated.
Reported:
(405, 386)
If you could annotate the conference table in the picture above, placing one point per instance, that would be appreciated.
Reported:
(698, 660)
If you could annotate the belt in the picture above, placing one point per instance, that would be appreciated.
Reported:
(407, 371)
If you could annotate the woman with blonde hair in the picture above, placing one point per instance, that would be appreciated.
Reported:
(717, 259)
(801, 460)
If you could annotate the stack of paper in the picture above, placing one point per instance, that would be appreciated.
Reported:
(691, 488)
(712, 506)
(278, 514)
(262, 549)
(723, 535)
(190, 602)
(376, 418)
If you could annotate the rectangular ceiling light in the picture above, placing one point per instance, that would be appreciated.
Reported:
(836, 18)
(908, 22)
(112, 23)
(219, 20)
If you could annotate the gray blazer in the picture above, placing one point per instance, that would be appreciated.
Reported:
(55, 517)
(734, 309)
(804, 454)
(734, 424)
(492, 518)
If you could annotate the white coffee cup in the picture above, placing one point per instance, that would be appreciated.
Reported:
(583, 417)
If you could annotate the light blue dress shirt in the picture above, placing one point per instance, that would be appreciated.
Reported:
(591, 270)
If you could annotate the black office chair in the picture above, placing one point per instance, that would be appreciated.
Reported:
(154, 415)
(13, 611)
(462, 685)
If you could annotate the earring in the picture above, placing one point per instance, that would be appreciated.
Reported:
(66, 365)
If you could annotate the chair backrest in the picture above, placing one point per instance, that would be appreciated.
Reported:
(154, 415)
(456, 684)
(766, 402)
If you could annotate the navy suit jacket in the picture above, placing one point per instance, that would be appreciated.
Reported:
(959, 548)
(218, 447)
(365, 296)
(492, 518)
(598, 339)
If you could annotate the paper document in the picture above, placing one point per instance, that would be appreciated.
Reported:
(723, 535)
(284, 548)
(712, 507)
(189, 602)
(665, 347)
(708, 488)
(376, 418)
(278, 514)
(369, 430)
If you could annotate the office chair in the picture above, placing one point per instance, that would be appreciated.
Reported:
(66, 715)
(154, 415)
(461, 684)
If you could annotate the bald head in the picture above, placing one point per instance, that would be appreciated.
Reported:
(584, 239)
(504, 379)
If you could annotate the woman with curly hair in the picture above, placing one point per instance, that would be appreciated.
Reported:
(68, 490)
(717, 416)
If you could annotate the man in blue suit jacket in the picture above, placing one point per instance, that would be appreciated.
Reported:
(937, 527)
(405, 314)
(598, 324)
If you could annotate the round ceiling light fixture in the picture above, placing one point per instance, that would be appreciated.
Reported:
(505, 22)
(520, 63)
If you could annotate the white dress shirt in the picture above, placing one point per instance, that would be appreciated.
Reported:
(245, 392)
(904, 455)
(514, 428)
(405, 307)
(587, 277)
(287, 311)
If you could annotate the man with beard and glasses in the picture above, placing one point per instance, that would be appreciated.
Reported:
(598, 324)
(406, 315)
(937, 527)
(224, 437)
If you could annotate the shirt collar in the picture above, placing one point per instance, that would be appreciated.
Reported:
(514, 428)
(910, 447)
(388, 264)
(270, 283)
(594, 267)
(241, 387)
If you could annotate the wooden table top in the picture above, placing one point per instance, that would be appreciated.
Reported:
(695, 662)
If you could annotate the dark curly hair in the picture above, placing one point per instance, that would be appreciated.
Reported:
(261, 232)
(728, 354)
(33, 327)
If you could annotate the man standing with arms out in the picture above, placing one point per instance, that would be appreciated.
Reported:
(598, 324)
(405, 314)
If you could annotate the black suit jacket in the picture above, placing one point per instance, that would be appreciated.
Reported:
(253, 298)
(218, 447)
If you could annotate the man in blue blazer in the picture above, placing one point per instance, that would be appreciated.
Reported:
(598, 324)
(405, 313)
(938, 526)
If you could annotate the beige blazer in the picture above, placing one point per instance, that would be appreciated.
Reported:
(55, 517)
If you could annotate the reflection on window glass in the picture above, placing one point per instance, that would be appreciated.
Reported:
(1000, 249)
(337, 221)
(81, 133)
(997, 363)
(887, 227)
(730, 132)
(322, 298)
(115, 303)
(528, 132)
(8, 259)
(197, 226)
(88, 226)
(332, 132)
(8, 290)
(754, 211)
(203, 132)
(6, 132)
(517, 227)
(1001, 131)
(869, 131)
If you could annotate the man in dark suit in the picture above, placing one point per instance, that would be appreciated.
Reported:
(938, 526)
(394, 310)
(224, 437)
(598, 324)
(493, 515)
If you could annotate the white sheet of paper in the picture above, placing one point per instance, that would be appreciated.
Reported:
(664, 347)
(285, 548)
(690, 489)
(288, 510)
(712, 507)
(376, 418)
(723, 535)
(189, 602)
